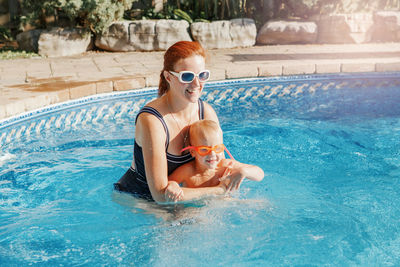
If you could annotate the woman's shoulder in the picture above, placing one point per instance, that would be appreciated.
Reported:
(206, 105)
(151, 113)
(209, 112)
(156, 104)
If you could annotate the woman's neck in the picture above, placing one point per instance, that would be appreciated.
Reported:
(178, 107)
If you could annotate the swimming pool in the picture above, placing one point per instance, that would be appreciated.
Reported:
(329, 145)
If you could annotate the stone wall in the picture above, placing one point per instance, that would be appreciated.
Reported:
(288, 32)
(383, 26)
(225, 33)
(155, 35)
(345, 28)
(56, 42)
(143, 35)
(386, 27)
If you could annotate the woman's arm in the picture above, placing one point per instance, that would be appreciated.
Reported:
(202, 192)
(150, 135)
(174, 192)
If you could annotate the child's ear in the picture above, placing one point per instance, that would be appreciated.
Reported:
(192, 152)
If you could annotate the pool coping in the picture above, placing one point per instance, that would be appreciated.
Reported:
(31, 114)
(268, 92)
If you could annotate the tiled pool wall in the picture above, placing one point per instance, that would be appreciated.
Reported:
(305, 93)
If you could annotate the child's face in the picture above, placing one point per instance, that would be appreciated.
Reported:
(211, 160)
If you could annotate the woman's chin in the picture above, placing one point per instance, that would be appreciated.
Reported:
(192, 96)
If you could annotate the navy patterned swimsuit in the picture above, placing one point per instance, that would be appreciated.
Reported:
(134, 180)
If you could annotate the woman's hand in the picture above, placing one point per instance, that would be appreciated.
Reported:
(173, 192)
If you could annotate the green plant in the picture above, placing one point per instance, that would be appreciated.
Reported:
(5, 34)
(11, 52)
(183, 15)
(192, 10)
(95, 15)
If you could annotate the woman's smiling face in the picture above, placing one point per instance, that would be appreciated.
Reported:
(190, 91)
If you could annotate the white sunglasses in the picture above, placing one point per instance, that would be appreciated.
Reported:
(187, 76)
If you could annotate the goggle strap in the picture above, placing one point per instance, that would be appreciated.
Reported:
(186, 148)
(229, 153)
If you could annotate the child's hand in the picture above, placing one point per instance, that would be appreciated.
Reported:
(223, 181)
(173, 192)
(233, 177)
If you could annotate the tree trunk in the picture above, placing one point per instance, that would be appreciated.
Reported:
(14, 9)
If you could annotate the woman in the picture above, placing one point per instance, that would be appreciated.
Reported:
(162, 127)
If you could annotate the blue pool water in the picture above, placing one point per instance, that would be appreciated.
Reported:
(329, 146)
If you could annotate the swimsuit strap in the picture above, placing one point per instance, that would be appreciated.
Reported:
(147, 109)
(201, 109)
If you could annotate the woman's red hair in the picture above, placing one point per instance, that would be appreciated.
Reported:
(176, 52)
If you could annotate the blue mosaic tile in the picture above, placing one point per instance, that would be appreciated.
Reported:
(305, 93)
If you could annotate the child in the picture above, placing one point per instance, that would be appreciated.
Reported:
(210, 168)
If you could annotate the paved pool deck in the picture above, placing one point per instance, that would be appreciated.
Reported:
(28, 84)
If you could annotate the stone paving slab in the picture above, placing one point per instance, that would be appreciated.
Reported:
(27, 84)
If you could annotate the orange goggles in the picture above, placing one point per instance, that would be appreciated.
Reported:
(205, 150)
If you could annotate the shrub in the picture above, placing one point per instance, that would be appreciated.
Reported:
(98, 14)
(95, 15)
(260, 10)
(5, 34)
(192, 10)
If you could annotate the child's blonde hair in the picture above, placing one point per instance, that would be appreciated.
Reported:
(203, 128)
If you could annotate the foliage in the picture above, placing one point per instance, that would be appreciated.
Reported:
(5, 34)
(98, 14)
(193, 10)
(93, 14)
(10, 52)
(259, 10)
(9, 47)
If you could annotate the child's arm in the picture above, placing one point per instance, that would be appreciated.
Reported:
(182, 175)
(238, 171)
(251, 172)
